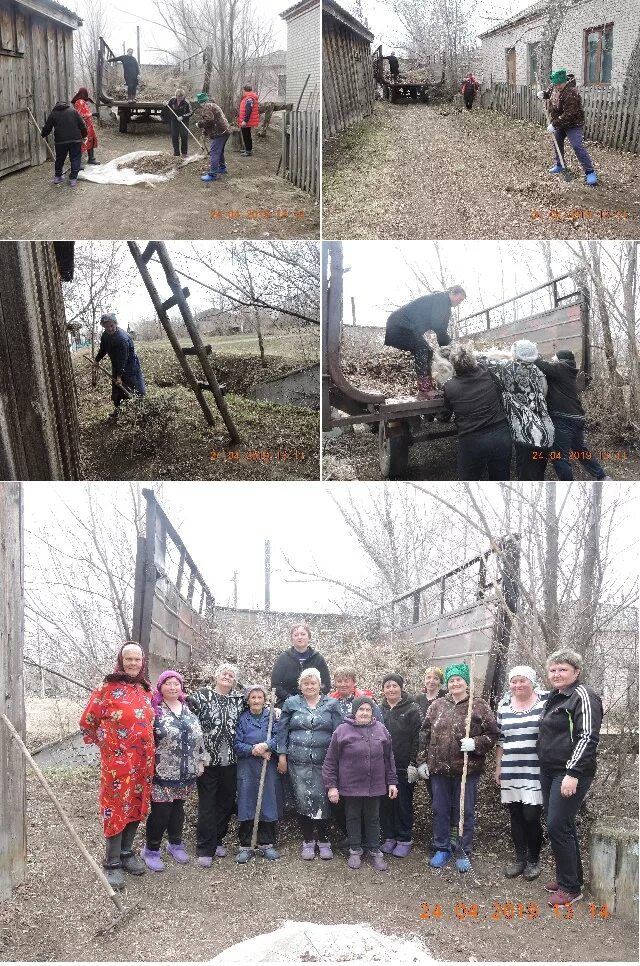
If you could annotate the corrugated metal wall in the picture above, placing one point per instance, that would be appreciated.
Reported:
(39, 430)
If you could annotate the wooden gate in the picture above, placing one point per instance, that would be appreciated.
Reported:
(301, 149)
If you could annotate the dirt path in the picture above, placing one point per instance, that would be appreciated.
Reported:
(188, 913)
(250, 202)
(417, 171)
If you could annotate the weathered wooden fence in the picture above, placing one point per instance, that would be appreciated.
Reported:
(301, 149)
(347, 74)
(612, 117)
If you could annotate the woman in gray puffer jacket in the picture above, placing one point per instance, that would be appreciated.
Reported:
(307, 723)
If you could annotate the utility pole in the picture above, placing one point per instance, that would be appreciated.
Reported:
(235, 589)
(353, 310)
(267, 576)
(138, 36)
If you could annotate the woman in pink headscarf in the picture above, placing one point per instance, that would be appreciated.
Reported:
(80, 102)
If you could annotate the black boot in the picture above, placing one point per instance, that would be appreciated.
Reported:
(91, 157)
(112, 865)
(516, 868)
(131, 862)
(531, 870)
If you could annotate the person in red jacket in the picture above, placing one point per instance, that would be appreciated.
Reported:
(248, 117)
(469, 89)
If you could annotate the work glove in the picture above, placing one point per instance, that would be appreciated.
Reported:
(412, 774)
(551, 129)
(423, 770)
(540, 95)
(467, 744)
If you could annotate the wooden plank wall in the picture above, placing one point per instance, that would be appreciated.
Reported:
(301, 149)
(347, 77)
(612, 117)
(39, 429)
(12, 768)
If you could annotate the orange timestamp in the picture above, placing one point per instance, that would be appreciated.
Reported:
(527, 911)
(257, 455)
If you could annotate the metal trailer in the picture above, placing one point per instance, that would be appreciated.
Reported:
(143, 109)
(395, 90)
(466, 610)
(404, 421)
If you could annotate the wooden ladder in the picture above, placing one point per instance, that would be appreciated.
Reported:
(179, 297)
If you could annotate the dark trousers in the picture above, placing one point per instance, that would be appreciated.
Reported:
(74, 150)
(216, 802)
(267, 833)
(528, 467)
(560, 813)
(396, 814)
(132, 86)
(179, 137)
(446, 809)
(569, 441)
(338, 815)
(489, 450)
(247, 139)
(402, 337)
(314, 829)
(526, 830)
(363, 811)
(165, 817)
(216, 154)
(574, 135)
(468, 102)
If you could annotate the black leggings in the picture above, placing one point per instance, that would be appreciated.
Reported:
(526, 830)
(308, 827)
(165, 817)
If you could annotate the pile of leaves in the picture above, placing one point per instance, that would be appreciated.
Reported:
(157, 164)
(153, 86)
(143, 423)
(370, 365)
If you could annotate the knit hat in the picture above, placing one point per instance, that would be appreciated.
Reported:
(364, 699)
(108, 317)
(524, 351)
(456, 670)
(156, 698)
(523, 670)
(202, 98)
(393, 677)
(559, 76)
(565, 355)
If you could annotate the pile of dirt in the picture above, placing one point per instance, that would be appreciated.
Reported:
(156, 89)
(155, 164)
(370, 365)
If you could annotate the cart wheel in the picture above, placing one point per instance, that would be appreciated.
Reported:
(123, 118)
(424, 98)
(394, 454)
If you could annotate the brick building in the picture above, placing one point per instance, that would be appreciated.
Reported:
(595, 42)
(303, 53)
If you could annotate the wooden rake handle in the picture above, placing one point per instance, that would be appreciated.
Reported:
(263, 775)
(463, 783)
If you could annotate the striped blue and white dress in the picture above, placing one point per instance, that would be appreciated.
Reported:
(520, 766)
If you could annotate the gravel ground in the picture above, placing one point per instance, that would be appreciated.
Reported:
(190, 914)
(250, 202)
(421, 171)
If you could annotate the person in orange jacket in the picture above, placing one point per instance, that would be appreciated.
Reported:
(248, 117)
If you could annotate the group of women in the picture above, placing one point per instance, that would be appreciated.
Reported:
(348, 760)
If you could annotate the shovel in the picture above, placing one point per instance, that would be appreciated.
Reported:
(254, 834)
(128, 393)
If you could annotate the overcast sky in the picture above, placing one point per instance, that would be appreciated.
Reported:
(123, 21)
(224, 526)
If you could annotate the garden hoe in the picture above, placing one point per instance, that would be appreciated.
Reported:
(265, 762)
(91, 862)
(459, 852)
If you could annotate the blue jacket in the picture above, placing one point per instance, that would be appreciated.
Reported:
(124, 361)
(251, 731)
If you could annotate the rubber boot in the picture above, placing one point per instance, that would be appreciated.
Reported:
(91, 158)
(379, 864)
(324, 849)
(355, 858)
(131, 862)
(427, 388)
(308, 850)
(152, 859)
(516, 868)
(402, 849)
(388, 846)
(111, 864)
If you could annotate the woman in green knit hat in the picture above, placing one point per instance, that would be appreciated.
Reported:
(566, 120)
(442, 760)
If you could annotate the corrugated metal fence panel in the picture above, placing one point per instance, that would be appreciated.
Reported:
(300, 149)
(612, 117)
(39, 429)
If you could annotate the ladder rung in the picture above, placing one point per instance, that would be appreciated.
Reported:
(148, 252)
(174, 300)
(205, 385)
(191, 350)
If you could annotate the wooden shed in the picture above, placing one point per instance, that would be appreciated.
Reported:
(347, 73)
(36, 70)
(39, 428)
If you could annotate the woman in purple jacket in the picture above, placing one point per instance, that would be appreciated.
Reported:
(359, 766)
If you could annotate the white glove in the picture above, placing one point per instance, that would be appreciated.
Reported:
(412, 774)
(467, 744)
(423, 770)
(540, 95)
(551, 129)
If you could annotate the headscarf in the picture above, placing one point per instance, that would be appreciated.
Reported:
(524, 350)
(523, 670)
(82, 95)
(157, 699)
(456, 670)
(119, 673)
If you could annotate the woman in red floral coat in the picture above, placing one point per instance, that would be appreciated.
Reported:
(80, 102)
(119, 719)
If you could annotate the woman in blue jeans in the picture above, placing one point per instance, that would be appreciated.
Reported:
(484, 437)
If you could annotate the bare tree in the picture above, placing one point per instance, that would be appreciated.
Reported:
(554, 17)
(87, 40)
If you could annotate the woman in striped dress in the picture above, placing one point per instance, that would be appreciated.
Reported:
(518, 769)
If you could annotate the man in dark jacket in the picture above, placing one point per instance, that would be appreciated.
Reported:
(406, 328)
(127, 374)
(402, 719)
(292, 662)
(131, 70)
(567, 416)
(566, 117)
(394, 65)
(567, 742)
(69, 131)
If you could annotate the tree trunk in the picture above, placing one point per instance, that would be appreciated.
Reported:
(629, 289)
(550, 583)
(555, 12)
(590, 582)
(605, 320)
(632, 80)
